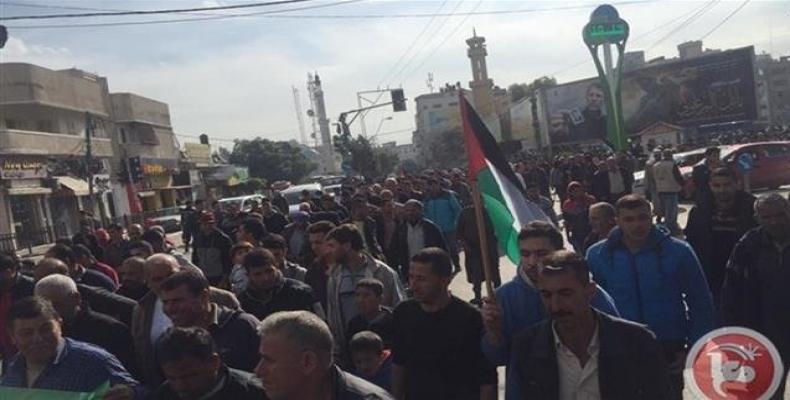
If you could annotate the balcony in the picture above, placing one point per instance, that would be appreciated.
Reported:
(15, 141)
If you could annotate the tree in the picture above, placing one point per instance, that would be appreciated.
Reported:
(445, 150)
(365, 159)
(271, 161)
(519, 91)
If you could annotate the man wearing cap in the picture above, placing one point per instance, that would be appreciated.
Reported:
(211, 249)
(274, 221)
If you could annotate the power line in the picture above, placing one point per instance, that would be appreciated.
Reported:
(425, 44)
(727, 18)
(326, 16)
(151, 12)
(170, 21)
(411, 45)
(452, 33)
(707, 7)
(663, 25)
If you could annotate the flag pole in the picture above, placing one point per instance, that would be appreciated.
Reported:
(481, 228)
(481, 233)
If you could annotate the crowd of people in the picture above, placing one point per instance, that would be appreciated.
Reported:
(348, 297)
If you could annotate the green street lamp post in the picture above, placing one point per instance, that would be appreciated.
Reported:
(606, 28)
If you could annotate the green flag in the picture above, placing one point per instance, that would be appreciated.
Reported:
(43, 394)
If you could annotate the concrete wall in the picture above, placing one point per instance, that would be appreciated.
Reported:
(73, 89)
(131, 107)
(50, 144)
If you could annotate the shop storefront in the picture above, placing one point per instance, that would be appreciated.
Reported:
(25, 217)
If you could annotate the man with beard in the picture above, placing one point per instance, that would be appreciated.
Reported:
(353, 265)
(436, 341)
(413, 235)
(132, 277)
(580, 352)
(716, 225)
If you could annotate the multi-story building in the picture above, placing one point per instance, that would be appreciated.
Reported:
(774, 74)
(44, 169)
(436, 113)
(43, 147)
(145, 137)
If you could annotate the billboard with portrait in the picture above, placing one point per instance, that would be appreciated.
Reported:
(709, 89)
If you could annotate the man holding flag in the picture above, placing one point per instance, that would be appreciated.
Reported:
(517, 304)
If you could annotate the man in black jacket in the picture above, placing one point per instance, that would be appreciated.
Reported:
(185, 298)
(754, 294)
(268, 291)
(413, 235)
(83, 324)
(13, 286)
(194, 370)
(716, 224)
(562, 356)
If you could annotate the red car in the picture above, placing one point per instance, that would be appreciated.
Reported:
(771, 165)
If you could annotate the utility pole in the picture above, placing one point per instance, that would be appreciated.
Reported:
(89, 158)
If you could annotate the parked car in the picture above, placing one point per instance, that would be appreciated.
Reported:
(243, 202)
(294, 194)
(684, 159)
(169, 219)
(771, 165)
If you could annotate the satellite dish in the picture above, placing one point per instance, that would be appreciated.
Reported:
(310, 113)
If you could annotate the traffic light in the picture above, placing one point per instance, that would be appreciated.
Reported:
(398, 100)
(135, 169)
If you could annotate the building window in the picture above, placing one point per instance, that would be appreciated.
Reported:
(71, 127)
(123, 135)
(453, 104)
(44, 126)
(437, 106)
(11, 123)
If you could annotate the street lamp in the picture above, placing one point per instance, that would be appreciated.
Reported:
(380, 124)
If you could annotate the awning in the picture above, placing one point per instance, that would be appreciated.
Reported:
(146, 194)
(78, 186)
(25, 191)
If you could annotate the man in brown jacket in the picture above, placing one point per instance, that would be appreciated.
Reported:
(149, 321)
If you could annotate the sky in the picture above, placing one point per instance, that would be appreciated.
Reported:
(232, 78)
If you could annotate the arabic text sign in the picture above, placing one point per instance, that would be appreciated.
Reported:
(606, 32)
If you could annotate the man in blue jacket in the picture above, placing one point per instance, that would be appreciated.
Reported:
(442, 208)
(518, 304)
(656, 280)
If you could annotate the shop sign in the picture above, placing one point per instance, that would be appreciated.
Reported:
(22, 169)
(154, 169)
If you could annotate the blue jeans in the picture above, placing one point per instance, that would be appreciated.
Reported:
(669, 203)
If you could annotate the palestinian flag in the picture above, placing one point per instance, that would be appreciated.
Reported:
(500, 190)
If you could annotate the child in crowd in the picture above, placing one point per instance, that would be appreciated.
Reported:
(371, 361)
(238, 275)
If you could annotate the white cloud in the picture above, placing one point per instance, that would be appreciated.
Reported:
(234, 77)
